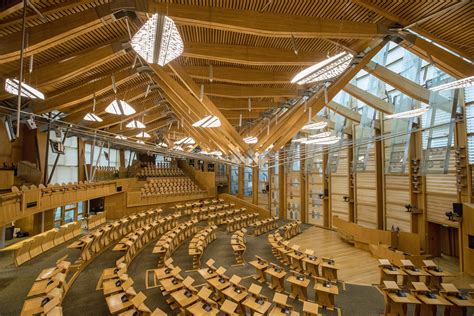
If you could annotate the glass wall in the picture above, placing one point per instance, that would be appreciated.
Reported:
(263, 186)
(109, 157)
(68, 213)
(248, 181)
(67, 167)
(234, 180)
(274, 189)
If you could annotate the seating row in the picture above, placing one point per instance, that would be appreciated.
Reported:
(199, 242)
(93, 243)
(241, 221)
(122, 299)
(170, 186)
(265, 225)
(38, 244)
(238, 243)
(325, 290)
(133, 242)
(219, 214)
(187, 207)
(96, 220)
(426, 301)
(46, 293)
(291, 229)
(169, 241)
(156, 171)
(305, 261)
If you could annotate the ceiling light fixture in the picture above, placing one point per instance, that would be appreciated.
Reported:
(119, 107)
(143, 135)
(458, 84)
(251, 140)
(135, 124)
(315, 126)
(141, 142)
(185, 141)
(91, 116)
(158, 40)
(121, 137)
(162, 144)
(216, 153)
(210, 121)
(325, 70)
(320, 135)
(409, 113)
(13, 86)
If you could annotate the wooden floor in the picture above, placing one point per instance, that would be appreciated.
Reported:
(358, 266)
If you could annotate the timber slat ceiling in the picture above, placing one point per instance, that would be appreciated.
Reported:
(453, 29)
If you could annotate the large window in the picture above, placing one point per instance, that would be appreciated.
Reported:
(248, 181)
(68, 213)
(67, 167)
(234, 180)
(109, 157)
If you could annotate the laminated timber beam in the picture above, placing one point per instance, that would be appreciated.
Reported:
(250, 55)
(47, 35)
(369, 99)
(46, 75)
(209, 106)
(239, 75)
(295, 120)
(11, 8)
(266, 24)
(82, 92)
(348, 113)
(402, 84)
(184, 105)
(451, 64)
(102, 103)
(239, 91)
(414, 26)
(225, 104)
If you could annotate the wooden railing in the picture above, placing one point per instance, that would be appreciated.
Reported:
(263, 213)
(363, 237)
(33, 199)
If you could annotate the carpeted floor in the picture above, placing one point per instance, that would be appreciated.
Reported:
(84, 299)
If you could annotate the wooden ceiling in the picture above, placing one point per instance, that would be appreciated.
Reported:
(255, 47)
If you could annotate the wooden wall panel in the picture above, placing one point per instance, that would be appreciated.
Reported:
(340, 188)
(366, 194)
(315, 204)
(397, 195)
(440, 194)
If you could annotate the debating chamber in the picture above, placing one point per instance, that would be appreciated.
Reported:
(236, 157)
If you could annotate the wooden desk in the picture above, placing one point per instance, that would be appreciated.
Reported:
(395, 302)
(252, 304)
(296, 260)
(277, 279)
(170, 286)
(325, 295)
(44, 286)
(460, 302)
(219, 283)
(413, 274)
(311, 265)
(199, 309)
(184, 297)
(298, 288)
(34, 306)
(436, 274)
(391, 274)
(329, 270)
(207, 273)
(310, 309)
(232, 293)
(428, 304)
(164, 273)
(259, 269)
(115, 303)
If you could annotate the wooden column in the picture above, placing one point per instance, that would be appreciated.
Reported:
(81, 162)
(351, 180)
(326, 189)
(379, 176)
(228, 171)
(282, 187)
(255, 171)
(417, 188)
(240, 181)
(303, 190)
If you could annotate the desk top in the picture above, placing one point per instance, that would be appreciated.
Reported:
(204, 272)
(310, 307)
(163, 273)
(258, 265)
(115, 304)
(418, 272)
(408, 299)
(276, 274)
(198, 310)
(183, 300)
(253, 305)
(293, 280)
(438, 300)
(334, 290)
(316, 261)
(297, 256)
(330, 266)
(231, 293)
(169, 286)
(396, 271)
(217, 284)
(277, 311)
